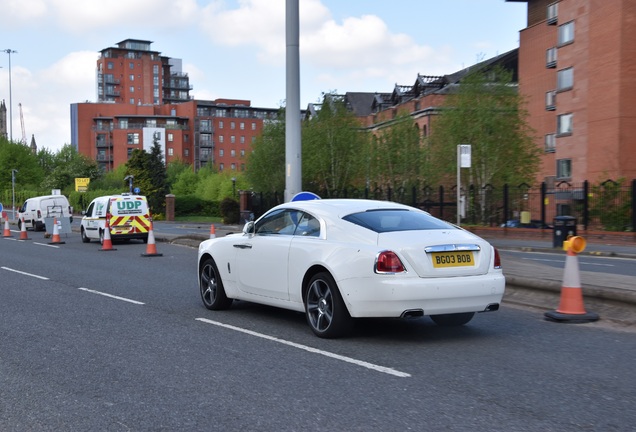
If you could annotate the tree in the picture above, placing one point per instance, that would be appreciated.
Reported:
(333, 144)
(19, 157)
(395, 150)
(266, 164)
(149, 174)
(67, 164)
(486, 112)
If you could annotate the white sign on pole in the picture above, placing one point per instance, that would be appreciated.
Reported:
(465, 152)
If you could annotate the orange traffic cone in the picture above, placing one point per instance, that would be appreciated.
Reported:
(55, 239)
(7, 230)
(107, 244)
(151, 248)
(23, 232)
(212, 231)
(571, 307)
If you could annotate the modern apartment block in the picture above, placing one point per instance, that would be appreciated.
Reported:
(577, 64)
(143, 97)
(132, 73)
(219, 132)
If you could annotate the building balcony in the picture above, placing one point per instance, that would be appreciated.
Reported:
(104, 158)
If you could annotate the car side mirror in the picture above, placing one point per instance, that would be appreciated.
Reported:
(248, 228)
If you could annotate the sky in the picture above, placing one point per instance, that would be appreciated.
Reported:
(236, 49)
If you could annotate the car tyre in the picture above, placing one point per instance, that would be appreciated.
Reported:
(325, 310)
(211, 287)
(85, 239)
(101, 237)
(453, 320)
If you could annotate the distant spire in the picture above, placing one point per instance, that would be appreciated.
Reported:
(34, 146)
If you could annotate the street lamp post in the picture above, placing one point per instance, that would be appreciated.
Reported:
(10, 51)
(233, 187)
(13, 171)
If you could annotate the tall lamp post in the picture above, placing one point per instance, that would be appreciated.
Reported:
(13, 171)
(10, 51)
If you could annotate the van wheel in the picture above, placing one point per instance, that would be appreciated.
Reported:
(85, 239)
(101, 237)
(19, 225)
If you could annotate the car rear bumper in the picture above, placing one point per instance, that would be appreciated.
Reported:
(392, 295)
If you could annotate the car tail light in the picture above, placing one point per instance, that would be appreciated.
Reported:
(388, 262)
(39, 214)
(497, 259)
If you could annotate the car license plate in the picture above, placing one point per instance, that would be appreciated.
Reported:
(453, 259)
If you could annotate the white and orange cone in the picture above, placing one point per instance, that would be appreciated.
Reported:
(151, 247)
(212, 231)
(107, 243)
(55, 239)
(7, 229)
(571, 308)
(23, 231)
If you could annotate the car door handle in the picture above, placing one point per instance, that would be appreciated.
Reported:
(243, 246)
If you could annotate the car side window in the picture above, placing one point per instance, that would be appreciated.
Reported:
(281, 222)
(89, 212)
(308, 226)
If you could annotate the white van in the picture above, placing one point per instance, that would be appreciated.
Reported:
(35, 209)
(128, 218)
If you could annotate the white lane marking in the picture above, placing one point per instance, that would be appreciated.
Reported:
(111, 296)
(596, 264)
(44, 244)
(24, 273)
(367, 365)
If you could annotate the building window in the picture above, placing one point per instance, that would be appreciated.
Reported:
(551, 57)
(233, 153)
(566, 33)
(109, 65)
(186, 152)
(221, 167)
(132, 77)
(253, 125)
(155, 69)
(170, 137)
(123, 123)
(133, 138)
(221, 152)
(564, 169)
(233, 166)
(132, 89)
(131, 65)
(170, 151)
(550, 143)
(221, 138)
(220, 124)
(232, 125)
(253, 139)
(565, 79)
(550, 100)
(564, 124)
(242, 139)
(553, 13)
(232, 139)
(242, 125)
(130, 152)
(242, 153)
(205, 126)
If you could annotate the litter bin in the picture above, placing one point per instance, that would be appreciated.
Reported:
(564, 226)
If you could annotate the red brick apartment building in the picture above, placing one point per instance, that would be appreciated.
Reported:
(143, 96)
(577, 68)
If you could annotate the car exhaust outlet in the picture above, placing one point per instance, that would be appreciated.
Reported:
(413, 313)
(492, 307)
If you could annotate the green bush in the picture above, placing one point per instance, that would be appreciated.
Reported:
(190, 205)
(230, 211)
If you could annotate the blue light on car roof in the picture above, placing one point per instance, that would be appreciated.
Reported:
(304, 196)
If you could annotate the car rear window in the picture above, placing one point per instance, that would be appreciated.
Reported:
(396, 220)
